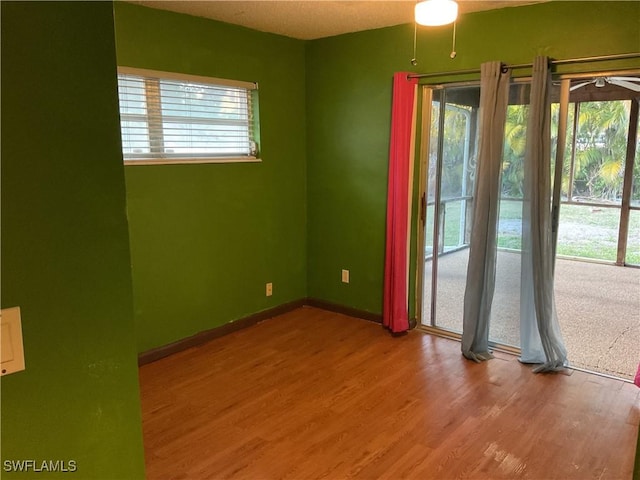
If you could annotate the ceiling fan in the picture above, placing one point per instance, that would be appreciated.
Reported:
(625, 82)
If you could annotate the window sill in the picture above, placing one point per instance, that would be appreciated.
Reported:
(187, 160)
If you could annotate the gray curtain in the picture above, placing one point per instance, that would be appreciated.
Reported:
(481, 270)
(540, 337)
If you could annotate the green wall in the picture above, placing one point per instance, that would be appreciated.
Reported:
(205, 239)
(65, 250)
(349, 80)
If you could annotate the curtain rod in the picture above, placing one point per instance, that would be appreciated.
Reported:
(619, 56)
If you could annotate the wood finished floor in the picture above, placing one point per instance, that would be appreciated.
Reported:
(313, 394)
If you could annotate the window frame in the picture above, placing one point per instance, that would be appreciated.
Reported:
(252, 91)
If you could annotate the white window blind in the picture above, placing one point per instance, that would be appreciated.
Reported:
(167, 120)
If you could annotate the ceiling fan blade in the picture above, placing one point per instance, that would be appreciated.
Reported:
(632, 79)
(625, 84)
(579, 85)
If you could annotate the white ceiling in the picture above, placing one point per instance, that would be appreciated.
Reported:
(310, 19)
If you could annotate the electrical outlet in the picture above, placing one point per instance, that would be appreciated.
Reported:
(345, 276)
(269, 289)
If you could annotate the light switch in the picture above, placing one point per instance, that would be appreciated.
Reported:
(11, 349)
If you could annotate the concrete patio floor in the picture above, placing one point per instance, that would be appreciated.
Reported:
(598, 308)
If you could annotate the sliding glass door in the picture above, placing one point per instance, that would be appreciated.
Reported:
(599, 226)
(449, 186)
(449, 182)
(595, 205)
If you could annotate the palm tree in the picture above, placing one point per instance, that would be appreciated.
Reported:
(601, 141)
(515, 139)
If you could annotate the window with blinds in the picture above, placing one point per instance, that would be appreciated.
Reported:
(173, 118)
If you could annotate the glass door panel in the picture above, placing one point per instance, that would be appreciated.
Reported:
(429, 204)
(593, 180)
(450, 180)
(457, 175)
(598, 222)
(504, 327)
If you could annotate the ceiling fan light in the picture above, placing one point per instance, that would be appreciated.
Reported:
(599, 82)
(433, 13)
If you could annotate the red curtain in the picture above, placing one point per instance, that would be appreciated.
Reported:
(396, 265)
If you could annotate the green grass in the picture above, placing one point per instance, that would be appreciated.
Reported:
(585, 231)
(452, 213)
